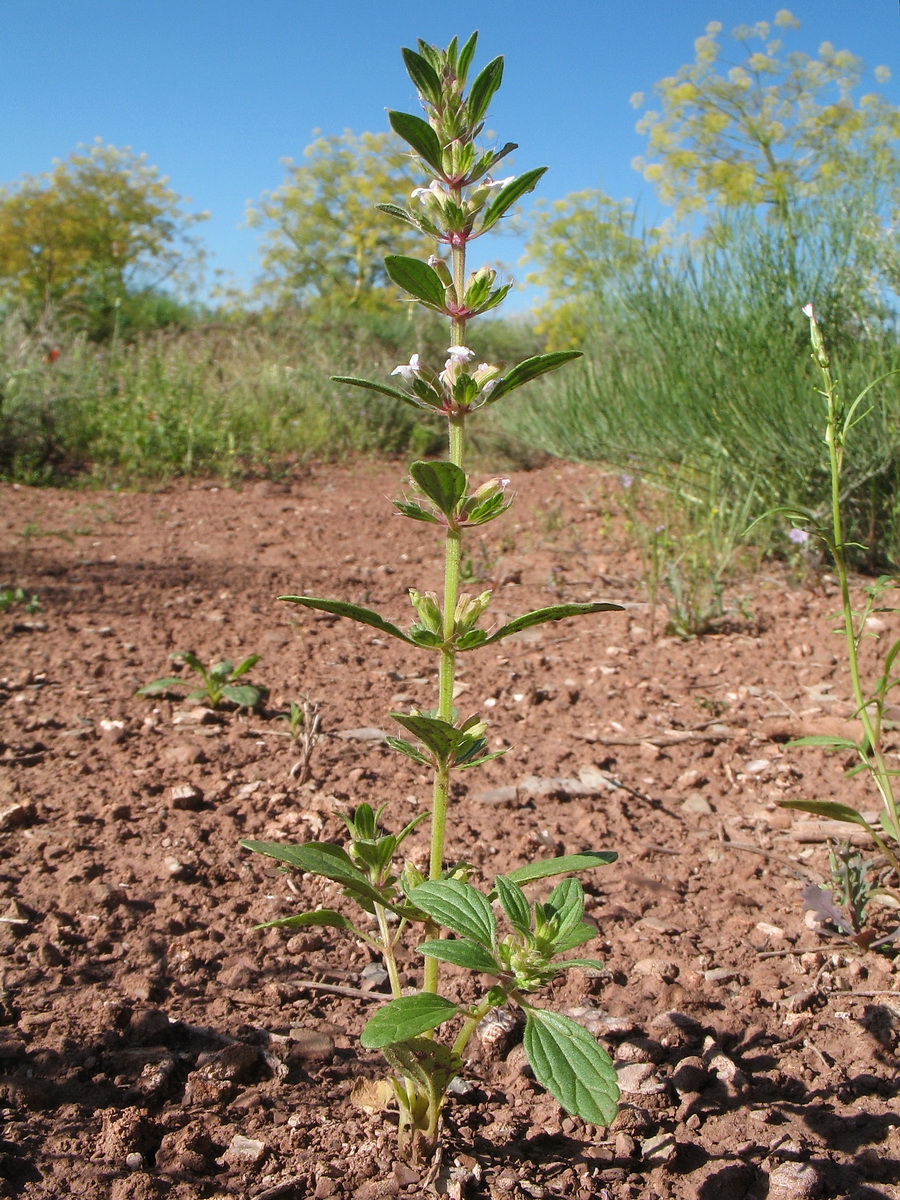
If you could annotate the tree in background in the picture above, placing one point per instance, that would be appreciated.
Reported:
(100, 230)
(771, 130)
(324, 239)
(781, 138)
(583, 245)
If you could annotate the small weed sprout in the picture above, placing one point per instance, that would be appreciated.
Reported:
(16, 597)
(870, 706)
(219, 682)
(305, 729)
(497, 932)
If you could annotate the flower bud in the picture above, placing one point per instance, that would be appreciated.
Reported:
(820, 354)
(469, 609)
(427, 609)
(410, 877)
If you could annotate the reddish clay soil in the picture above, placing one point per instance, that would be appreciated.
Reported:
(152, 1044)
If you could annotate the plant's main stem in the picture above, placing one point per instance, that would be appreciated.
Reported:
(447, 669)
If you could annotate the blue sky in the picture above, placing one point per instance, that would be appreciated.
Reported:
(217, 92)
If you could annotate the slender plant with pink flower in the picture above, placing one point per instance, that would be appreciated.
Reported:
(456, 922)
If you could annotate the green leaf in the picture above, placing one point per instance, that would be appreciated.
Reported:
(418, 279)
(221, 671)
(415, 512)
(576, 936)
(394, 210)
(432, 1064)
(828, 808)
(483, 87)
(409, 750)
(444, 483)
(514, 904)
(160, 685)
(507, 196)
(459, 907)
(570, 1064)
(586, 860)
(365, 616)
(465, 59)
(530, 369)
(888, 824)
(441, 738)
(567, 901)
(247, 665)
(319, 916)
(378, 387)
(406, 1018)
(588, 964)
(245, 695)
(556, 612)
(462, 952)
(420, 136)
(822, 739)
(190, 659)
(423, 75)
(324, 859)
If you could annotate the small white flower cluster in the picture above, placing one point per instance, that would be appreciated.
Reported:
(486, 376)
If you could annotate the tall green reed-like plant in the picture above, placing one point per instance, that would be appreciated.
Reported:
(840, 419)
(461, 202)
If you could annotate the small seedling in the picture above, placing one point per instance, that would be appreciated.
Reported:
(843, 904)
(305, 730)
(218, 682)
(451, 920)
(15, 598)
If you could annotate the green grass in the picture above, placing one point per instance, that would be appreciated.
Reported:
(699, 367)
(230, 399)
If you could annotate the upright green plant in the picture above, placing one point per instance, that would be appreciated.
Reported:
(461, 202)
(870, 705)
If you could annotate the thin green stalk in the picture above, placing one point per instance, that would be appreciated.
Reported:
(834, 441)
(387, 952)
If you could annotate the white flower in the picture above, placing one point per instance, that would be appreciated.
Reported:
(460, 355)
(489, 387)
(498, 183)
(408, 371)
(434, 190)
(809, 311)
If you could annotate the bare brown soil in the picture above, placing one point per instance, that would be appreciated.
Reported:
(153, 1045)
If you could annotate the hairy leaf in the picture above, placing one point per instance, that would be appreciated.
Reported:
(319, 916)
(506, 197)
(570, 1064)
(320, 858)
(365, 616)
(483, 87)
(556, 612)
(420, 136)
(440, 737)
(406, 1018)
(423, 75)
(530, 369)
(514, 904)
(417, 278)
(444, 483)
(549, 867)
(459, 907)
(371, 386)
(463, 952)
